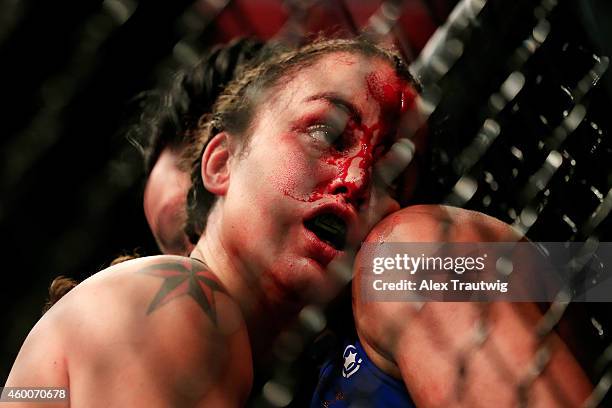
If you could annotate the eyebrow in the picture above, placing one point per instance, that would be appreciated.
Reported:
(339, 102)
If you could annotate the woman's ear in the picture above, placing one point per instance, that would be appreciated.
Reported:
(215, 164)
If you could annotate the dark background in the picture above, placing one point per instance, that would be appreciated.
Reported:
(71, 185)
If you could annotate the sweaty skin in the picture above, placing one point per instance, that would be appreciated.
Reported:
(425, 347)
(393, 96)
(156, 332)
(176, 331)
(389, 93)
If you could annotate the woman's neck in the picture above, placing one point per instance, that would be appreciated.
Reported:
(265, 315)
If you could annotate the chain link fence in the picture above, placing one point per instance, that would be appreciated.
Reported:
(516, 96)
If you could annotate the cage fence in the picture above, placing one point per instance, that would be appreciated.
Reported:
(516, 97)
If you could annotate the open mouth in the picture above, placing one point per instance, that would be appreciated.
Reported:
(328, 228)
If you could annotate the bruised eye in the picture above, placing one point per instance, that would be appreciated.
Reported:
(325, 135)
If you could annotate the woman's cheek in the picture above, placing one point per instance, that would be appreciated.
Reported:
(297, 177)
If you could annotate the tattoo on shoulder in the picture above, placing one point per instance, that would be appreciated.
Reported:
(185, 277)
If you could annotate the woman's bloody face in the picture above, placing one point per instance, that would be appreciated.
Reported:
(304, 191)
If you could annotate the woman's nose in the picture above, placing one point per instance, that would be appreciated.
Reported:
(353, 181)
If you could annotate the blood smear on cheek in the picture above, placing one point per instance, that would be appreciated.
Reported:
(292, 178)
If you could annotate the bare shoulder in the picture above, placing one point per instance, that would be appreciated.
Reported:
(422, 223)
(165, 323)
(381, 324)
(139, 294)
(439, 223)
(423, 343)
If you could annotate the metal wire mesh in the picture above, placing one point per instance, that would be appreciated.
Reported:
(518, 122)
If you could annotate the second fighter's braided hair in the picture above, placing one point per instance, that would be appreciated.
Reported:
(165, 115)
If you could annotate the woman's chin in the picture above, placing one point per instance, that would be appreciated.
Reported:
(320, 284)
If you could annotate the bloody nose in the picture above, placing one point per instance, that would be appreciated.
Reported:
(354, 178)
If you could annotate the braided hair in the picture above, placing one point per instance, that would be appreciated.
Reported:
(235, 107)
(166, 115)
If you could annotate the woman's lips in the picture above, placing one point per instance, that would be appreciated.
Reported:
(319, 250)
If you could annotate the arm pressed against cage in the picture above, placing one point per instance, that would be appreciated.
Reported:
(462, 353)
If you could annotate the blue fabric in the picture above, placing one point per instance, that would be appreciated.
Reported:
(352, 380)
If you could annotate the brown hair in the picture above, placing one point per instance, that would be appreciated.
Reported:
(62, 284)
(234, 109)
(58, 288)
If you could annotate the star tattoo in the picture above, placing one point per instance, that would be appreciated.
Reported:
(185, 277)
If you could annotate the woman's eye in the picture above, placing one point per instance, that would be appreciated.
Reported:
(324, 134)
